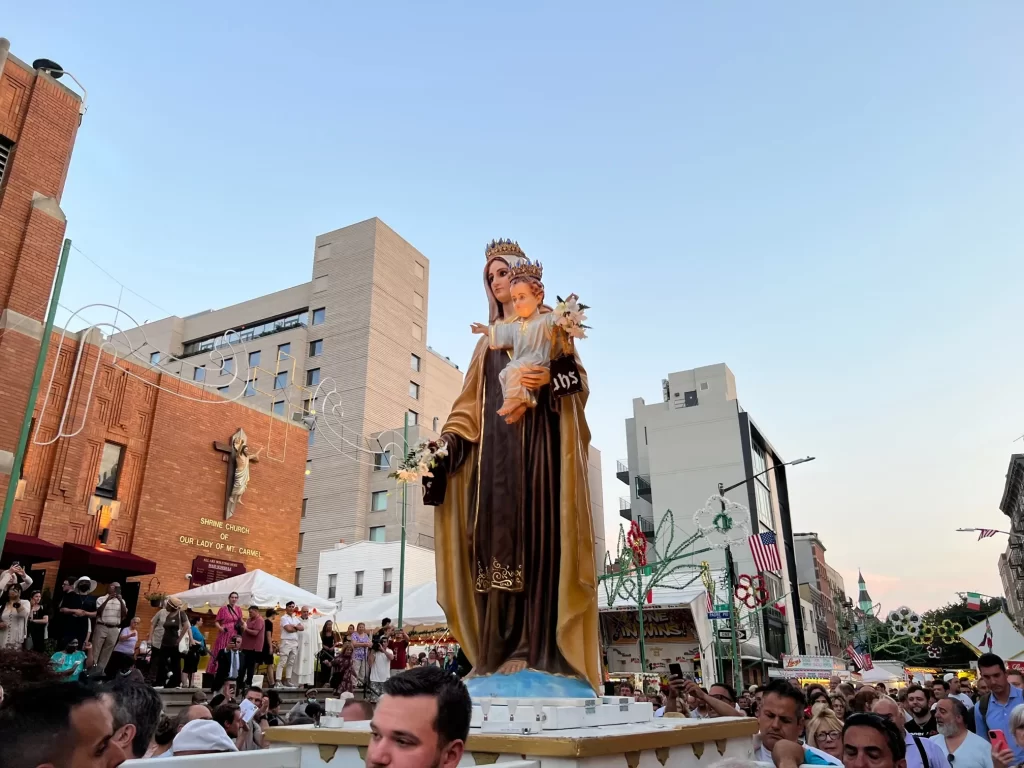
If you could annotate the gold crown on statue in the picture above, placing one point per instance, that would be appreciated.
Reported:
(503, 248)
(526, 268)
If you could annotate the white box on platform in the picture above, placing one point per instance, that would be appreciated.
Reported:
(539, 715)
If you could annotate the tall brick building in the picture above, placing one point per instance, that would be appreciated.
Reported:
(125, 475)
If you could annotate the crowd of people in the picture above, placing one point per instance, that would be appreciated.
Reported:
(422, 720)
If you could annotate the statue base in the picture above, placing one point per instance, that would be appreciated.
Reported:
(529, 684)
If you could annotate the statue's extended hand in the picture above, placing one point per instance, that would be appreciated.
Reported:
(479, 328)
(535, 376)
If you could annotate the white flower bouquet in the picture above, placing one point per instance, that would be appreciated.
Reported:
(420, 460)
(571, 316)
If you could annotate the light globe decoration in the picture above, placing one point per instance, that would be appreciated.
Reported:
(904, 622)
(722, 523)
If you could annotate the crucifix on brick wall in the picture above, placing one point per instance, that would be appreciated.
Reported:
(236, 454)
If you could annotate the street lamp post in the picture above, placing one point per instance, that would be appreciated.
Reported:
(730, 575)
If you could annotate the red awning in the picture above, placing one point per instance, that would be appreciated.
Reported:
(29, 549)
(81, 556)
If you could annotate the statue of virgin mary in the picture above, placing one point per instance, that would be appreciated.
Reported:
(513, 530)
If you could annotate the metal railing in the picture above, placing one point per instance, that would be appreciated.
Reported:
(643, 487)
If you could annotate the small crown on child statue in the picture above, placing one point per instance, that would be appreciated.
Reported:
(526, 268)
(503, 247)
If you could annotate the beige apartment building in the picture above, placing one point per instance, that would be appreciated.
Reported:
(346, 352)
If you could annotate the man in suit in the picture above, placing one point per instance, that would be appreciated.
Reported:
(230, 664)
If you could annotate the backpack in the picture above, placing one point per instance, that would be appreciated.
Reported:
(920, 748)
(983, 708)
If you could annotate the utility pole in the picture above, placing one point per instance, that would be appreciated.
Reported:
(405, 501)
(30, 405)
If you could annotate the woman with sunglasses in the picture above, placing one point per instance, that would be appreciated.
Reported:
(825, 731)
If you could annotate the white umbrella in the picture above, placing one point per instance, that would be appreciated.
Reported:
(254, 588)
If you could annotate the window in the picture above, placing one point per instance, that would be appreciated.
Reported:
(298, 576)
(6, 145)
(412, 418)
(312, 438)
(417, 332)
(267, 327)
(110, 469)
(388, 573)
(227, 365)
(377, 533)
(284, 351)
(316, 348)
(199, 374)
(254, 359)
(319, 315)
(281, 380)
(414, 390)
(417, 300)
(279, 407)
(222, 390)
(382, 461)
(154, 358)
(302, 537)
(703, 386)
(762, 490)
(359, 583)
(304, 503)
(312, 377)
(437, 423)
(418, 270)
(378, 501)
(309, 467)
(250, 387)
(307, 406)
(332, 586)
(414, 362)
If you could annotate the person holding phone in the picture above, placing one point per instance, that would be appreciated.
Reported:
(994, 711)
(14, 613)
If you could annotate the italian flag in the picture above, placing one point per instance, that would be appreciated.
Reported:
(974, 601)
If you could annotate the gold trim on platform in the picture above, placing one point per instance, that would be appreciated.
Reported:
(548, 746)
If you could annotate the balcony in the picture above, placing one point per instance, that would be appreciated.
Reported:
(643, 487)
(622, 471)
(1016, 558)
(1020, 592)
(625, 511)
(646, 527)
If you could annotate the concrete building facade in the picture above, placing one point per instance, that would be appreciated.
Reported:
(347, 354)
(680, 449)
(354, 574)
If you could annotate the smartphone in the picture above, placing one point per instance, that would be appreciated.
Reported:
(248, 710)
(675, 670)
(998, 739)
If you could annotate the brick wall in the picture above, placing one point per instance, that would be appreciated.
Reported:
(171, 477)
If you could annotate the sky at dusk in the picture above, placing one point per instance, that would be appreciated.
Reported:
(826, 197)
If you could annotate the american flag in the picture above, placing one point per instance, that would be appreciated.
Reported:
(766, 553)
(859, 661)
(984, 533)
(710, 606)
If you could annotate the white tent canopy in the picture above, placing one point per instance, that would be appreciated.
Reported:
(1007, 642)
(419, 608)
(883, 672)
(253, 588)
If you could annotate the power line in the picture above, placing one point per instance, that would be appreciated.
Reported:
(125, 287)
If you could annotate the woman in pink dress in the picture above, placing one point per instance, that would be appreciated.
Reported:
(229, 619)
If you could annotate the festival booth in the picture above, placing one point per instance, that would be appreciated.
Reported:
(1007, 642)
(885, 671)
(676, 630)
(424, 621)
(810, 669)
(253, 588)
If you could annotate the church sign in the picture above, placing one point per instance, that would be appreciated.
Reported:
(207, 570)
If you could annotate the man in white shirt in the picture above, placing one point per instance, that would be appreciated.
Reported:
(781, 720)
(309, 647)
(111, 612)
(288, 651)
(963, 748)
(954, 690)
(921, 752)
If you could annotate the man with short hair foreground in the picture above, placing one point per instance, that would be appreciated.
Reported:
(963, 749)
(56, 725)
(421, 721)
(992, 712)
(135, 708)
(780, 721)
(871, 742)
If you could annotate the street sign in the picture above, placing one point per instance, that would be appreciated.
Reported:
(718, 615)
(725, 634)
